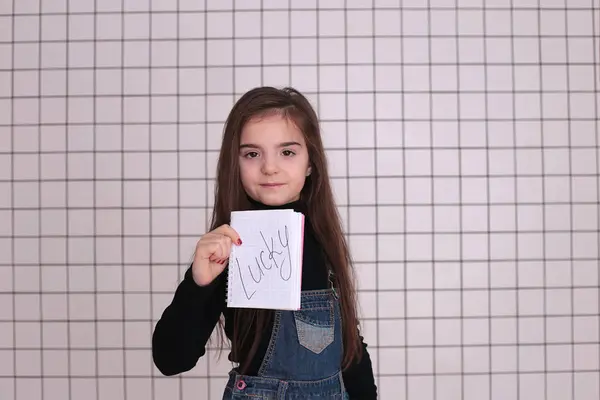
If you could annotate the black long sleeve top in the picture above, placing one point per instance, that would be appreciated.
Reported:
(181, 334)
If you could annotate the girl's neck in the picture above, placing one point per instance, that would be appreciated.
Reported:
(297, 205)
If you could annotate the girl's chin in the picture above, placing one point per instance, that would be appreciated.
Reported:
(273, 199)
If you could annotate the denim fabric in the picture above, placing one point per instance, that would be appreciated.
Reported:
(303, 360)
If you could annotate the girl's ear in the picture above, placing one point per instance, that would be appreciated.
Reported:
(308, 171)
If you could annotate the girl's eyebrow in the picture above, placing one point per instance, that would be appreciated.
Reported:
(255, 146)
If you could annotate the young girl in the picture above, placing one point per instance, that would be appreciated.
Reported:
(272, 157)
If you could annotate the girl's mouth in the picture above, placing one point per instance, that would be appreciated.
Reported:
(271, 185)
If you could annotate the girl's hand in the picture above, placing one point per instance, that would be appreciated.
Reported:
(212, 253)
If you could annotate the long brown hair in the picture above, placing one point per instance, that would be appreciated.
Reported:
(317, 197)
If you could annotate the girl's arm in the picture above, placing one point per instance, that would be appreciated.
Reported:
(181, 334)
(359, 379)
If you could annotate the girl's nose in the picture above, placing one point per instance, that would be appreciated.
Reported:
(269, 166)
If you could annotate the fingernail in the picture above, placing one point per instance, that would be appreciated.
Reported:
(239, 241)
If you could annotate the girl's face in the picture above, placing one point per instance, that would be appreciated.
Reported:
(273, 160)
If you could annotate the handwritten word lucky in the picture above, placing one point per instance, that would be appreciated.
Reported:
(276, 253)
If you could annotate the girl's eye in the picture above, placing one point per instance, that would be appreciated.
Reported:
(251, 154)
(288, 153)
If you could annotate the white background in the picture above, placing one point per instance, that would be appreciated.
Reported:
(463, 145)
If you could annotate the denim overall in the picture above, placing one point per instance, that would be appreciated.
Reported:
(303, 359)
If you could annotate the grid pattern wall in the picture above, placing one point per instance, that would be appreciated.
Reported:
(462, 137)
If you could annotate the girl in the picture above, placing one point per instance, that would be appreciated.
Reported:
(272, 157)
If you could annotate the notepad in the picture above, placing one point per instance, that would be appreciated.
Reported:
(266, 270)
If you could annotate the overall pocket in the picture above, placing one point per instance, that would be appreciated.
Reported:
(315, 326)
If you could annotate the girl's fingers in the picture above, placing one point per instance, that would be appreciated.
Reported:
(230, 233)
(218, 260)
(225, 247)
(218, 248)
(220, 245)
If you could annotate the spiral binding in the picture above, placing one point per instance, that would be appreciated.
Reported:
(229, 277)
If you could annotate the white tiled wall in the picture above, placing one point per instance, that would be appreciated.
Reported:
(463, 144)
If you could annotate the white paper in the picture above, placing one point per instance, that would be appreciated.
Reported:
(266, 270)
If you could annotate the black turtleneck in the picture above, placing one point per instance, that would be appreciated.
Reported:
(181, 334)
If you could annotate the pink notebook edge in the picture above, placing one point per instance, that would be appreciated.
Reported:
(301, 260)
